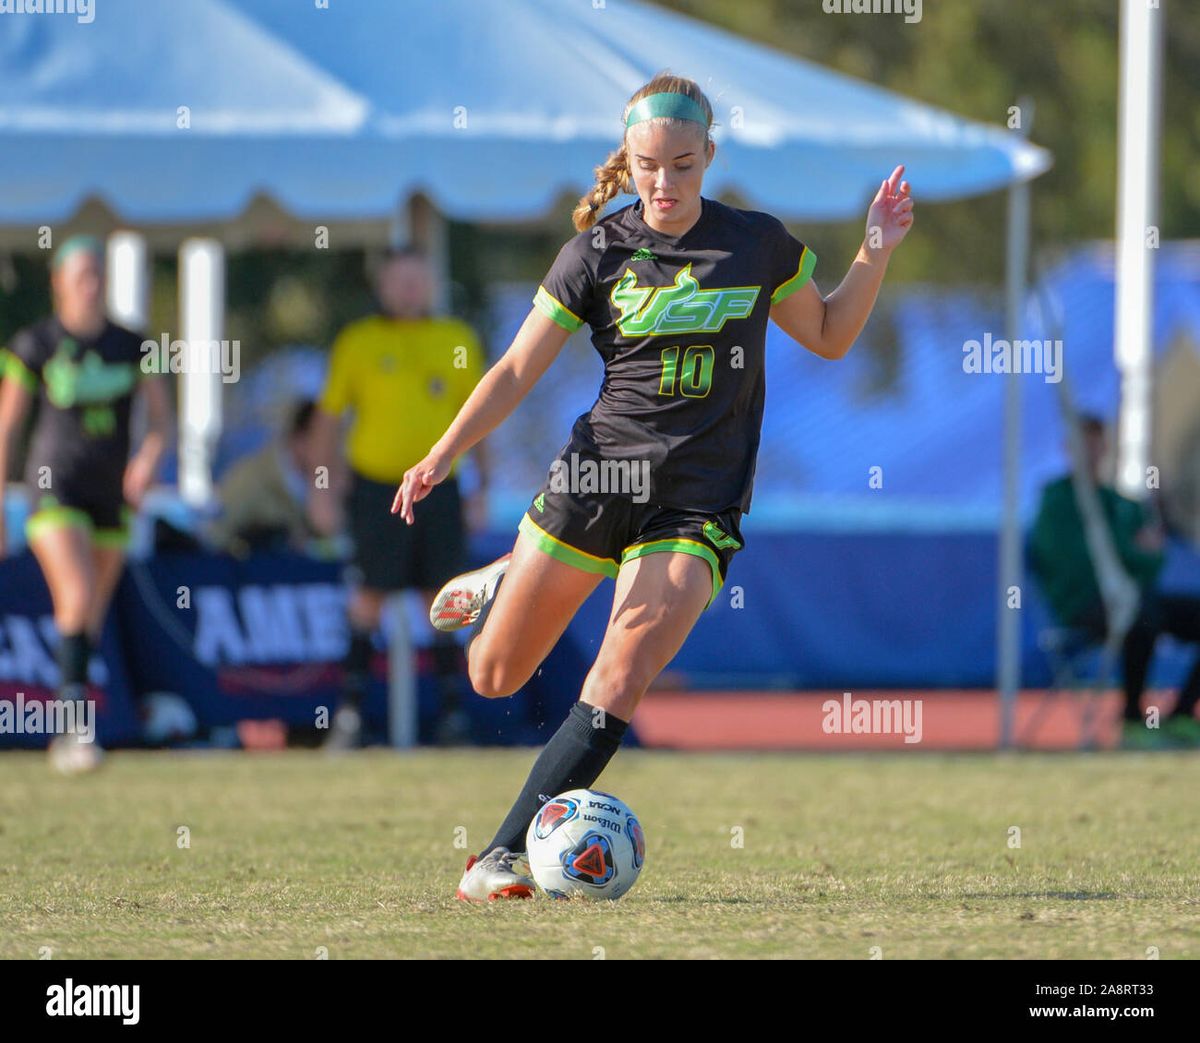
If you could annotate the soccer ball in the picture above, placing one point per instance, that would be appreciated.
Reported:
(585, 843)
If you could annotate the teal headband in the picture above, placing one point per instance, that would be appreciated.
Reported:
(77, 244)
(666, 103)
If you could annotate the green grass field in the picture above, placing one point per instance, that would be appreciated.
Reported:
(293, 852)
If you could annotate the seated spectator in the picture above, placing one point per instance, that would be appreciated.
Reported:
(1063, 565)
(264, 497)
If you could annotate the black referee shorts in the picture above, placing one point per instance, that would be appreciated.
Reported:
(391, 555)
(599, 532)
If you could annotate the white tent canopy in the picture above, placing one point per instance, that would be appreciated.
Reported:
(491, 108)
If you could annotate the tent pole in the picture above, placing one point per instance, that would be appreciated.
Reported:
(1008, 630)
(202, 318)
(421, 223)
(1137, 176)
(128, 280)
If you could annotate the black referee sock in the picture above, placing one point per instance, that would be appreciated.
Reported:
(573, 759)
(356, 667)
(447, 670)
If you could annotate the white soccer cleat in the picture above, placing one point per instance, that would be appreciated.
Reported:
(71, 755)
(460, 601)
(494, 876)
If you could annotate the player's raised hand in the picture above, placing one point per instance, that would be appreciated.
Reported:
(417, 482)
(891, 213)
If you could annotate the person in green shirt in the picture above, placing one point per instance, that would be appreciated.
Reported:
(1062, 563)
(264, 497)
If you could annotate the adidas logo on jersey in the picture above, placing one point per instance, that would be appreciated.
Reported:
(642, 255)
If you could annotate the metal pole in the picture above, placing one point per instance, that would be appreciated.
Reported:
(202, 313)
(1137, 182)
(402, 675)
(1008, 630)
(128, 280)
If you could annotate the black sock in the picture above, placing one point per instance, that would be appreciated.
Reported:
(447, 671)
(73, 653)
(356, 667)
(573, 759)
(74, 650)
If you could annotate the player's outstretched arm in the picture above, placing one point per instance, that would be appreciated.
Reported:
(497, 394)
(143, 465)
(828, 326)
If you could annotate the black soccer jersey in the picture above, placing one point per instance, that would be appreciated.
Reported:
(85, 389)
(680, 322)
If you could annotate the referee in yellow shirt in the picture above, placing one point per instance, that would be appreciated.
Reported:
(403, 374)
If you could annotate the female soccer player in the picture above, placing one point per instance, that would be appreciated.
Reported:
(84, 370)
(677, 289)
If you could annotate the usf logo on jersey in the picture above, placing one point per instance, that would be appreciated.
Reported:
(683, 307)
(90, 381)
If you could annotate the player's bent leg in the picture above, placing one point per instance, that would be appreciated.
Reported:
(658, 599)
(659, 596)
(533, 606)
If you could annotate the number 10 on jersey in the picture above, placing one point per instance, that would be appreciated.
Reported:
(693, 373)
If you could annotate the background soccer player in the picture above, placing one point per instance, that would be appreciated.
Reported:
(677, 289)
(84, 371)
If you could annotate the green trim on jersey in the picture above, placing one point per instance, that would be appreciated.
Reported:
(808, 261)
(56, 517)
(556, 310)
(115, 539)
(13, 368)
(53, 515)
(682, 546)
(564, 552)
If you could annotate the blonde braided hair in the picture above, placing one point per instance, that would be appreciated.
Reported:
(614, 175)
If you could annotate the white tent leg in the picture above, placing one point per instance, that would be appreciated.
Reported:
(128, 280)
(1137, 177)
(202, 315)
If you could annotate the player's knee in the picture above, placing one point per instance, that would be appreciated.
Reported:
(623, 683)
(72, 604)
(491, 677)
